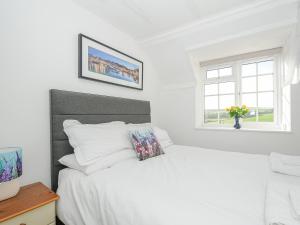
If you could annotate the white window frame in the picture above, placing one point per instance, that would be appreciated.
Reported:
(236, 77)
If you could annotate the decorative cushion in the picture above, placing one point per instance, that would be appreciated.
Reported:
(161, 134)
(145, 143)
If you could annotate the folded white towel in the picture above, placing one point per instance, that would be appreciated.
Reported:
(285, 164)
(278, 209)
(295, 202)
(291, 160)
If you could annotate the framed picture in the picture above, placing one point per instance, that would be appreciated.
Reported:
(101, 62)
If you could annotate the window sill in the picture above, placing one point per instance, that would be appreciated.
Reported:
(244, 130)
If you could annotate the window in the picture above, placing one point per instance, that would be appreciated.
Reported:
(257, 91)
(219, 92)
(254, 82)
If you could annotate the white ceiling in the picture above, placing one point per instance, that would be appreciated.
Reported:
(175, 55)
(143, 19)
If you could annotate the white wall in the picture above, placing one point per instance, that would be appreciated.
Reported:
(240, 33)
(177, 116)
(38, 52)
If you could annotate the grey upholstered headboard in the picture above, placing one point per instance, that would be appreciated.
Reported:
(87, 108)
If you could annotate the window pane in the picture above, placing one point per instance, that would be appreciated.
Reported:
(249, 100)
(266, 115)
(211, 116)
(211, 102)
(225, 118)
(226, 101)
(225, 72)
(251, 116)
(265, 83)
(266, 99)
(265, 67)
(249, 84)
(211, 89)
(212, 74)
(249, 70)
(226, 88)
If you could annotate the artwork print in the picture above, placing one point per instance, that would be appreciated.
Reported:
(100, 62)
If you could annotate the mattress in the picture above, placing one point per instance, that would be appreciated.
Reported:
(187, 185)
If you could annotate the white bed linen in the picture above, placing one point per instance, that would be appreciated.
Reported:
(187, 185)
(279, 207)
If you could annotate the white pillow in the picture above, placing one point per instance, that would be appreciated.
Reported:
(68, 123)
(102, 163)
(94, 141)
(162, 135)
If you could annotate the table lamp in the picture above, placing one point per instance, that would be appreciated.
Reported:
(10, 171)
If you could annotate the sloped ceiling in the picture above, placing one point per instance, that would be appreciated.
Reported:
(143, 19)
(174, 55)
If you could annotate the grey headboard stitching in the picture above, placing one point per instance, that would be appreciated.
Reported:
(87, 108)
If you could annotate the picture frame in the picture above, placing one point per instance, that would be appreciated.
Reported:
(100, 62)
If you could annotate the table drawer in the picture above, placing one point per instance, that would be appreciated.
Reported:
(44, 215)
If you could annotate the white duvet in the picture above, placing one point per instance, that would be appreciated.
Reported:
(185, 186)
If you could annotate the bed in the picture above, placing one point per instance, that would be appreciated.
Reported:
(186, 185)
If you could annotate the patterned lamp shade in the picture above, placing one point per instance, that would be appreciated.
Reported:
(10, 163)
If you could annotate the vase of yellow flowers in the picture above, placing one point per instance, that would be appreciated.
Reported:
(237, 112)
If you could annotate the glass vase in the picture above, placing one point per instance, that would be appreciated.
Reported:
(237, 124)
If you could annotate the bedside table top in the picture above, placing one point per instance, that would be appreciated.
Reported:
(29, 197)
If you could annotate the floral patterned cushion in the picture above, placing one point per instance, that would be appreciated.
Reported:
(145, 143)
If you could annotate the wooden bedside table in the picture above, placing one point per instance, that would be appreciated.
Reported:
(33, 205)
